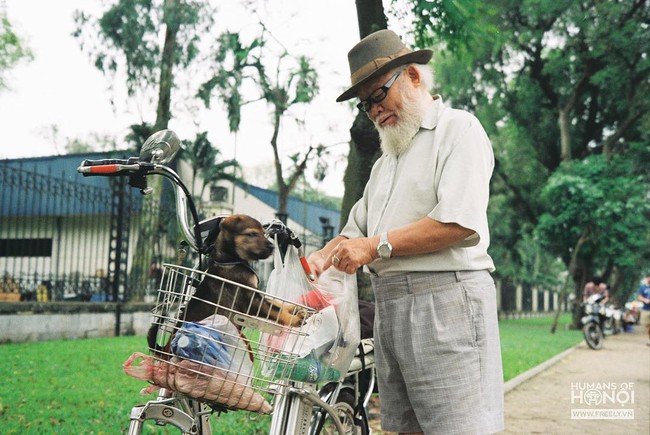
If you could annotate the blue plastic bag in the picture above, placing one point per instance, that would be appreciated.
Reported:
(199, 343)
(214, 341)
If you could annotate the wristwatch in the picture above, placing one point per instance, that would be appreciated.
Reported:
(384, 249)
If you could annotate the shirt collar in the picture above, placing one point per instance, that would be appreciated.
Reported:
(432, 112)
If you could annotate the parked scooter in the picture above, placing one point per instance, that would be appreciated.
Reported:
(597, 321)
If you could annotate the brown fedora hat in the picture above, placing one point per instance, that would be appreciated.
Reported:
(376, 54)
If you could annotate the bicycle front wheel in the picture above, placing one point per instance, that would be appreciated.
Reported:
(323, 424)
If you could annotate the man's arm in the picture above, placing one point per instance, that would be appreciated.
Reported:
(421, 237)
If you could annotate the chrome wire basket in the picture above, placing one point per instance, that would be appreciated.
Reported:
(236, 358)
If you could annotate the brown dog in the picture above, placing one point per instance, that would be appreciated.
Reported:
(240, 240)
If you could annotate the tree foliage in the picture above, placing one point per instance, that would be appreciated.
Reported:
(13, 49)
(127, 37)
(281, 79)
(561, 88)
(206, 163)
(606, 200)
(149, 40)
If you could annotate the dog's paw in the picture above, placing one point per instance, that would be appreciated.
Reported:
(293, 315)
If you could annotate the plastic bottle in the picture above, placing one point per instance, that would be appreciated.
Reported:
(329, 374)
(308, 369)
(305, 369)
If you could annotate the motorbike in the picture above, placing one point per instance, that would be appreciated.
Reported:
(597, 321)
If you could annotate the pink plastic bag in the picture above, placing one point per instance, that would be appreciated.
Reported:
(196, 380)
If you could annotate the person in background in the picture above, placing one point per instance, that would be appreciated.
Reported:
(595, 286)
(421, 231)
(643, 295)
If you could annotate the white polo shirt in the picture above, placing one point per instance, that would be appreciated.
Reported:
(444, 174)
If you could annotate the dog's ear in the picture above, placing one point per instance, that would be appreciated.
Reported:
(237, 223)
(213, 233)
(231, 224)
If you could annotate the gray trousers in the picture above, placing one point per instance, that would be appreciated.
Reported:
(438, 353)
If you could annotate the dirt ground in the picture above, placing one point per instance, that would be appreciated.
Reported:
(613, 382)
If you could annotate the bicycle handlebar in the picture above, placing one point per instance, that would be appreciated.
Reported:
(112, 166)
(138, 171)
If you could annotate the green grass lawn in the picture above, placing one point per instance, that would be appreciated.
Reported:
(78, 387)
(526, 343)
(66, 387)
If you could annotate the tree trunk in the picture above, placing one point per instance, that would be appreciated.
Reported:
(364, 146)
(572, 265)
(150, 229)
(370, 16)
(364, 151)
(163, 113)
(565, 135)
(564, 118)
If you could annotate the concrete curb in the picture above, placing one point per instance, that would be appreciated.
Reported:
(520, 379)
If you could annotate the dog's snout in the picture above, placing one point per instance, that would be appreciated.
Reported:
(269, 245)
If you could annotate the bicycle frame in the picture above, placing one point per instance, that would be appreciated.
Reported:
(190, 416)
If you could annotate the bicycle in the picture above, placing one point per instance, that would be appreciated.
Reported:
(218, 378)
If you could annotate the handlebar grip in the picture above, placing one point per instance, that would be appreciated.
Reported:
(99, 169)
(104, 162)
(107, 166)
(306, 268)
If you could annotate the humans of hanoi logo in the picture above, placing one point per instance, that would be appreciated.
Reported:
(602, 393)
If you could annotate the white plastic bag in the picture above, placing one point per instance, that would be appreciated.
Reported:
(289, 282)
(288, 279)
(323, 329)
(333, 334)
(340, 290)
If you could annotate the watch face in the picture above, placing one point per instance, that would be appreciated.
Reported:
(384, 250)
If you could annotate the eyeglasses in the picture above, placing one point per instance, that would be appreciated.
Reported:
(377, 95)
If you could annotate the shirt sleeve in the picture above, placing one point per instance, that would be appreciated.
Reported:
(466, 163)
(357, 223)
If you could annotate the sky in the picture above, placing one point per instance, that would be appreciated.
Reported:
(60, 95)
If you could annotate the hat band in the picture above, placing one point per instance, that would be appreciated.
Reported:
(374, 65)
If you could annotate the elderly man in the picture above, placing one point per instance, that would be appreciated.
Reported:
(421, 231)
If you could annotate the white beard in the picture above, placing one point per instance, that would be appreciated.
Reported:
(396, 139)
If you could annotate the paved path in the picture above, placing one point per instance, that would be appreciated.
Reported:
(543, 403)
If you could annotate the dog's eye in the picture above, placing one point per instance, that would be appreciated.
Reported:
(251, 235)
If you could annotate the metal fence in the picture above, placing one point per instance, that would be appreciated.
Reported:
(63, 239)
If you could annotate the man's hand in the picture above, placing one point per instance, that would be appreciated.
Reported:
(351, 254)
(316, 262)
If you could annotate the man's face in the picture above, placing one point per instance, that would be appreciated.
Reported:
(398, 116)
(386, 112)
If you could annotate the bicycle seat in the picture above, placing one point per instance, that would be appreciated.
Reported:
(209, 229)
(368, 346)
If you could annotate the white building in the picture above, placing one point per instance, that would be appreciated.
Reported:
(59, 229)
